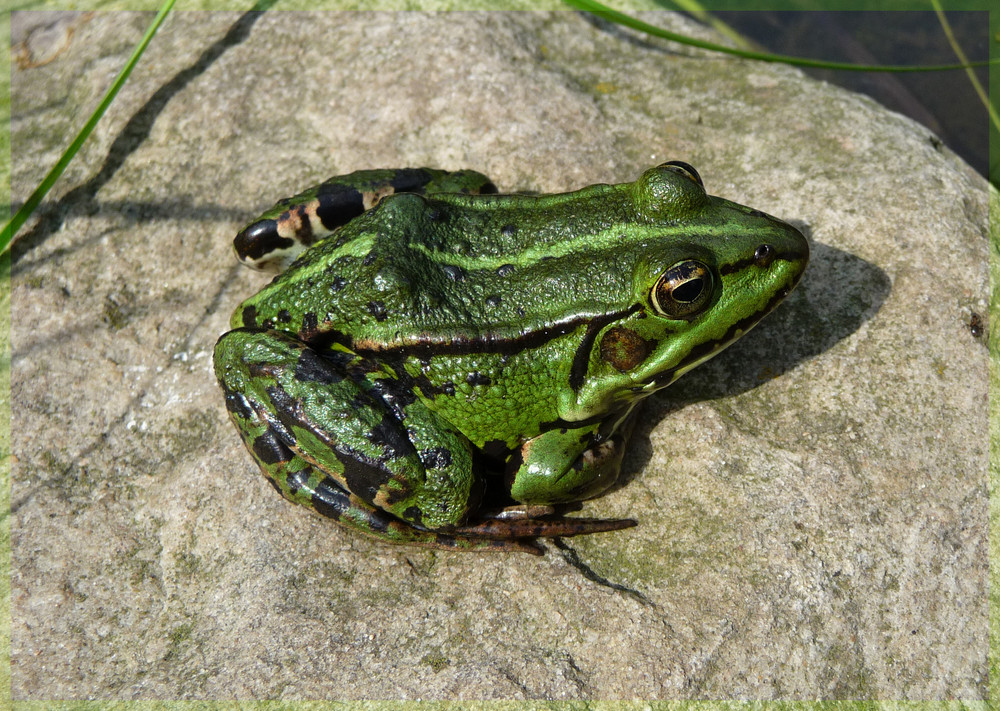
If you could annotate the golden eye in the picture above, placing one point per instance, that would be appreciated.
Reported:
(684, 290)
(682, 168)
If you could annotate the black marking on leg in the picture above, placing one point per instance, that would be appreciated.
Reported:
(259, 239)
(288, 414)
(390, 435)
(269, 448)
(339, 360)
(362, 477)
(304, 232)
(409, 180)
(414, 515)
(436, 458)
(237, 404)
(297, 480)
(338, 204)
(396, 392)
(330, 500)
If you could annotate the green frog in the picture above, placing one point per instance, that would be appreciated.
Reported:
(438, 364)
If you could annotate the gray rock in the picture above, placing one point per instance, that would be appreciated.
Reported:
(812, 503)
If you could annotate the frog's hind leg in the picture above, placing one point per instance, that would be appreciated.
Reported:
(322, 432)
(300, 482)
(515, 528)
(276, 238)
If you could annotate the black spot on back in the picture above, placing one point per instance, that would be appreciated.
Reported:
(377, 309)
(476, 378)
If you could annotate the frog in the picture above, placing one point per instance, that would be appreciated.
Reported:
(440, 364)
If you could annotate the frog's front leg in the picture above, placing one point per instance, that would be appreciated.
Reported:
(564, 465)
(323, 430)
(560, 466)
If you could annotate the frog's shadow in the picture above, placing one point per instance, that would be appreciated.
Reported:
(838, 293)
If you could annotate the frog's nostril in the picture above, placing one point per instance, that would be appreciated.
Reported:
(764, 255)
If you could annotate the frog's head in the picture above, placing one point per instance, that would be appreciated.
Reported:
(705, 271)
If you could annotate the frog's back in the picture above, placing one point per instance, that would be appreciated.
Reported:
(418, 271)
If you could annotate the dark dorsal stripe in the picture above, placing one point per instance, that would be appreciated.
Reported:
(478, 344)
(581, 359)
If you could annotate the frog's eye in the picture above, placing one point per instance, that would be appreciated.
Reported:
(682, 168)
(684, 290)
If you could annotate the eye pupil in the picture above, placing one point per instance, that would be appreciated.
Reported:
(689, 290)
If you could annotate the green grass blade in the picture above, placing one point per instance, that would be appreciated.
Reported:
(696, 10)
(21, 216)
(607, 13)
(968, 70)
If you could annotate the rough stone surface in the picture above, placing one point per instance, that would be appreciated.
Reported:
(812, 503)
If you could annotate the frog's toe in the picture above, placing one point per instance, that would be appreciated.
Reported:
(517, 528)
